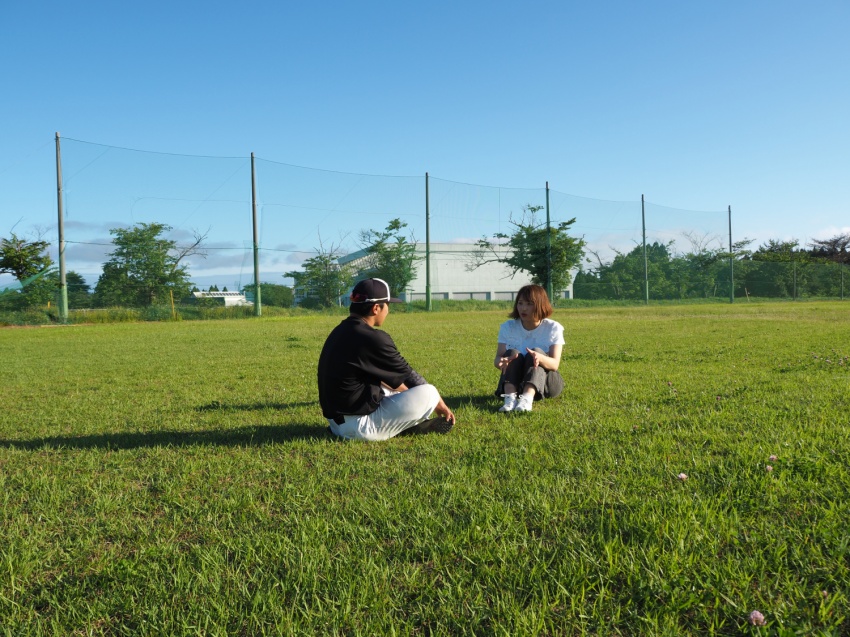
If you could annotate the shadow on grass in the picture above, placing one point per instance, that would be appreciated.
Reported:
(217, 405)
(240, 437)
(485, 402)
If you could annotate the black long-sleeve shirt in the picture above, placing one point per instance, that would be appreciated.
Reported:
(355, 360)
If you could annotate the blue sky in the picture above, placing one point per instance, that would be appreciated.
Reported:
(697, 105)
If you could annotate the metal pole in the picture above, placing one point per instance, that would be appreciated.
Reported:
(258, 302)
(60, 198)
(427, 247)
(645, 261)
(731, 262)
(548, 246)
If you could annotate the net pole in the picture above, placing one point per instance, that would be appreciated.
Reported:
(731, 262)
(427, 247)
(645, 261)
(258, 302)
(60, 202)
(548, 247)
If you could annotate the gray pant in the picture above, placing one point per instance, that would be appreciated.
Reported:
(521, 373)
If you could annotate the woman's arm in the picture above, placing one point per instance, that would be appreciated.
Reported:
(501, 362)
(550, 362)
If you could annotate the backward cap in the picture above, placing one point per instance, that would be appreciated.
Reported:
(372, 291)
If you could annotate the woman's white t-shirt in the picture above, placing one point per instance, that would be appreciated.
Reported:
(515, 336)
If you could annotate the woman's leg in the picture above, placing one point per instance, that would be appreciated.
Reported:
(533, 383)
(534, 378)
(512, 376)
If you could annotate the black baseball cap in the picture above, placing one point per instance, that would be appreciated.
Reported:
(372, 291)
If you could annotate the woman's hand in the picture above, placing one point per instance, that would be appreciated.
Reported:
(535, 357)
(502, 362)
(548, 362)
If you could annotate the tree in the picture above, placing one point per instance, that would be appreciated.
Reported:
(323, 279)
(526, 249)
(29, 262)
(273, 294)
(389, 256)
(835, 248)
(774, 270)
(79, 292)
(145, 268)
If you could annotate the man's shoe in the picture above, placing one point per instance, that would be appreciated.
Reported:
(524, 403)
(438, 425)
(510, 403)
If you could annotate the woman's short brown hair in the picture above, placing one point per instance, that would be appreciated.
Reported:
(536, 295)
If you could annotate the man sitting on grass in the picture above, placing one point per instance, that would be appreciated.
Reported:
(366, 389)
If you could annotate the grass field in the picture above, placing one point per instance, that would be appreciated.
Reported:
(176, 478)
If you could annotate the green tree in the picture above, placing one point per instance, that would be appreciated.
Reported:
(774, 270)
(79, 292)
(625, 276)
(526, 249)
(701, 272)
(145, 268)
(390, 256)
(28, 261)
(273, 294)
(323, 279)
(836, 249)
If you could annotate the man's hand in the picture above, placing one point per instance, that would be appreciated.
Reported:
(443, 409)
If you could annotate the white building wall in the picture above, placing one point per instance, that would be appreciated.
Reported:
(451, 278)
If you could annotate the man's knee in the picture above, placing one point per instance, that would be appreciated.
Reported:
(420, 398)
(432, 393)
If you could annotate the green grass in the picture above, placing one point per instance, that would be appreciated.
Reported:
(175, 478)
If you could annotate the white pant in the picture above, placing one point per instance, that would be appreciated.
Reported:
(398, 411)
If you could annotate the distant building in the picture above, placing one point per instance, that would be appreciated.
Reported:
(228, 299)
(451, 278)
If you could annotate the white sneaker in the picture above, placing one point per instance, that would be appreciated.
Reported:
(524, 403)
(510, 402)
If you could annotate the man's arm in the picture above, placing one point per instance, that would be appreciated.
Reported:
(443, 409)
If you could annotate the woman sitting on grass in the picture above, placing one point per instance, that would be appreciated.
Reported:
(529, 352)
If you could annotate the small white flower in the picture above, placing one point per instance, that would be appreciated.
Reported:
(772, 458)
(683, 476)
(768, 468)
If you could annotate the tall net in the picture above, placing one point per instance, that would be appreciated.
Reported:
(684, 255)
(107, 187)
(302, 212)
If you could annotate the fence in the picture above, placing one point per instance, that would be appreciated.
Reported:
(678, 278)
(300, 211)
